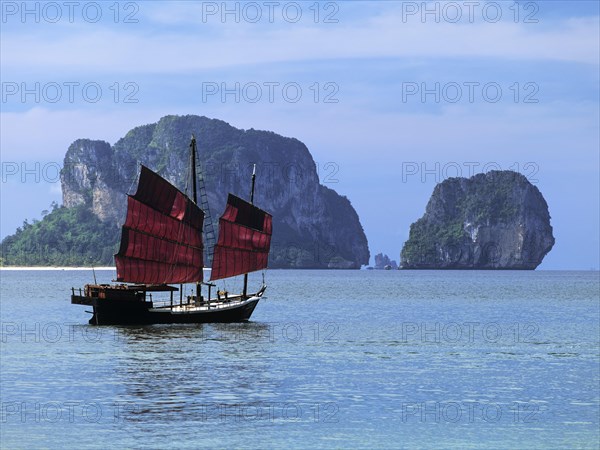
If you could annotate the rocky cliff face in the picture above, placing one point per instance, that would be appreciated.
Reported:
(313, 226)
(497, 220)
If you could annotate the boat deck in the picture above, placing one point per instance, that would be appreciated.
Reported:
(187, 308)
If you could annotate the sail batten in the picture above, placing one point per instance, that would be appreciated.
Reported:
(161, 239)
(244, 240)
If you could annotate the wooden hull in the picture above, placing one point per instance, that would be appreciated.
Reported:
(136, 311)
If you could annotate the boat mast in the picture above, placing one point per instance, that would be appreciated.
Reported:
(193, 151)
(252, 202)
(194, 193)
(253, 181)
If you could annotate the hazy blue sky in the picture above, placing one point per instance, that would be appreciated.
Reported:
(390, 97)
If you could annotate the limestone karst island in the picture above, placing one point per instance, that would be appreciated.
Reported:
(313, 226)
(496, 220)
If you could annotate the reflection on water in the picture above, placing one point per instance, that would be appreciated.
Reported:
(180, 372)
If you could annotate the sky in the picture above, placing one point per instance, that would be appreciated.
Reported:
(389, 97)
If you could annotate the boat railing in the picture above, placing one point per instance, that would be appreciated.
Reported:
(191, 302)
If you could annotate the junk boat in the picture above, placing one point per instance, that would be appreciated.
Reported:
(162, 246)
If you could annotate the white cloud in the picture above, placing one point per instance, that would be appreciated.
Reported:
(136, 50)
(40, 134)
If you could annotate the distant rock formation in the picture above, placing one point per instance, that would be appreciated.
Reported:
(383, 262)
(496, 220)
(313, 226)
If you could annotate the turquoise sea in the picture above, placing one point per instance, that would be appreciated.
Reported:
(331, 359)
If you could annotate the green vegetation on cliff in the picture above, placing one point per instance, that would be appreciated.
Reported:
(425, 238)
(64, 237)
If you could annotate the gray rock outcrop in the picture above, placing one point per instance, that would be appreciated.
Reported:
(383, 262)
(496, 220)
(313, 226)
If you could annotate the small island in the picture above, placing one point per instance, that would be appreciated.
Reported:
(383, 262)
(496, 220)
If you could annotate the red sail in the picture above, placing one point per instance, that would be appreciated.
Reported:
(161, 239)
(244, 240)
